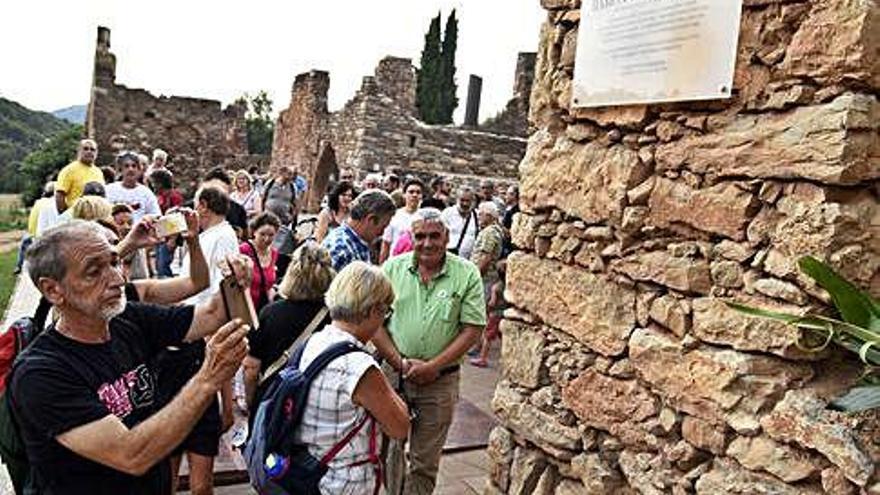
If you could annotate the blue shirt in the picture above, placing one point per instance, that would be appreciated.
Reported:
(345, 246)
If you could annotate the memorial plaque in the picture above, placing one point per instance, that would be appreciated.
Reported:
(651, 51)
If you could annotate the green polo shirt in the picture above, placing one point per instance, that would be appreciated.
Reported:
(428, 317)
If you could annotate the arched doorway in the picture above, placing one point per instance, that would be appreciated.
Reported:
(326, 171)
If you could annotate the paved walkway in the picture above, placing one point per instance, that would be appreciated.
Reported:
(461, 473)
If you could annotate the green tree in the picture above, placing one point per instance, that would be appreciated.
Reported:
(427, 83)
(447, 99)
(259, 124)
(44, 163)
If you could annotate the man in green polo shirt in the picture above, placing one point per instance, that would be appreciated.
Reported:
(438, 314)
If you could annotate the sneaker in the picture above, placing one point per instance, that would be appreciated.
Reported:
(479, 363)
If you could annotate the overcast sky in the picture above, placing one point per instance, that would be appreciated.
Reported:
(220, 49)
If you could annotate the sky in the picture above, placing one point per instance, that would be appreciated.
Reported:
(221, 49)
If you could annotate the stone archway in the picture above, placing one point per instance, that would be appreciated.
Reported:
(325, 172)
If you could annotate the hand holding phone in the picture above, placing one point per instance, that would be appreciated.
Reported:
(238, 302)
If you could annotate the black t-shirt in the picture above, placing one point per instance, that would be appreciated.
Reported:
(433, 203)
(59, 384)
(237, 216)
(281, 322)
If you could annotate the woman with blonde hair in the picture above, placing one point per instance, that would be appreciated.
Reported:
(351, 399)
(245, 194)
(300, 299)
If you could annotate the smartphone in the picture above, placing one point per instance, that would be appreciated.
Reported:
(170, 224)
(238, 302)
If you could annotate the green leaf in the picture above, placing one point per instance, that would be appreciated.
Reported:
(858, 399)
(763, 313)
(854, 305)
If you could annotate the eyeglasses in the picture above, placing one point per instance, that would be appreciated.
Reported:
(388, 314)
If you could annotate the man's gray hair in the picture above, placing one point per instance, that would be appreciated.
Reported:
(430, 215)
(372, 202)
(462, 190)
(47, 256)
(160, 153)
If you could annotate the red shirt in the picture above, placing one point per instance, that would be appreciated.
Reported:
(168, 199)
(257, 283)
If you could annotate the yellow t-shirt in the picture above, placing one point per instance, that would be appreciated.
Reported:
(74, 177)
(35, 214)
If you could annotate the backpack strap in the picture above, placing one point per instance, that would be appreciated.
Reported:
(322, 360)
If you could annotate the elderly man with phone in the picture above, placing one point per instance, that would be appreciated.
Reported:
(84, 393)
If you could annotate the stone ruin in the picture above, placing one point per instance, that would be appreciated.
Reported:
(623, 371)
(378, 131)
(197, 134)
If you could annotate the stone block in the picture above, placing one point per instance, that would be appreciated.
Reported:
(727, 477)
(718, 386)
(802, 418)
(647, 473)
(613, 405)
(587, 181)
(832, 143)
(597, 476)
(837, 44)
(500, 454)
(727, 274)
(835, 225)
(833, 481)
(570, 487)
(521, 352)
(597, 312)
(522, 232)
(704, 435)
(540, 428)
(714, 322)
(735, 251)
(672, 314)
(723, 209)
(661, 267)
(527, 468)
(790, 464)
(628, 116)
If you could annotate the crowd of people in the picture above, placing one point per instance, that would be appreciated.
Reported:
(139, 362)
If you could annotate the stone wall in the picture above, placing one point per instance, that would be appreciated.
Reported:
(377, 131)
(623, 371)
(197, 134)
(513, 119)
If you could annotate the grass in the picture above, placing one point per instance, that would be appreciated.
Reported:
(7, 278)
(12, 215)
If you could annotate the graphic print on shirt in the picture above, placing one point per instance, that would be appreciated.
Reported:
(132, 390)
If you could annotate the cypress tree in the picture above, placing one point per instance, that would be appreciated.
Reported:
(448, 100)
(427, 84)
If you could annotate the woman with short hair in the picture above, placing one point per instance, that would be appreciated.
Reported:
(300, 299)
(351, 394)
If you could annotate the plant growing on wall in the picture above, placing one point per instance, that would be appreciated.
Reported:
(855, 327)
(435, 85)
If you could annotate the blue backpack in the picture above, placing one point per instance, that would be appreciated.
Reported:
(276, 464)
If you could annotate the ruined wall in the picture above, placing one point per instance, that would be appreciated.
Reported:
(513, 120)
(623, 372)
(197, 134)
(377, 131)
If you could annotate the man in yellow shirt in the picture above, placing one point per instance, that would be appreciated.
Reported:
(31, 234)
(72, 178)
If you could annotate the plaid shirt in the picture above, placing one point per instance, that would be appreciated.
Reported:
(345, 246)
(331, 414)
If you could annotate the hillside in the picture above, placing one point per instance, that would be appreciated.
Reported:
(21, 131)
(75, 114)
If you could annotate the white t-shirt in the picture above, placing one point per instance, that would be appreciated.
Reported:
(140, 198)
(331, 413)
(47, 219)
(400, 223)
(455, 222)
(216, 242)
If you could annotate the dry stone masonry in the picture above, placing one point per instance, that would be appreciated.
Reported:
(623, 371)
(377, 131)
(198, 134)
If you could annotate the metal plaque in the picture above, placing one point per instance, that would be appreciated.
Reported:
(651, 51)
